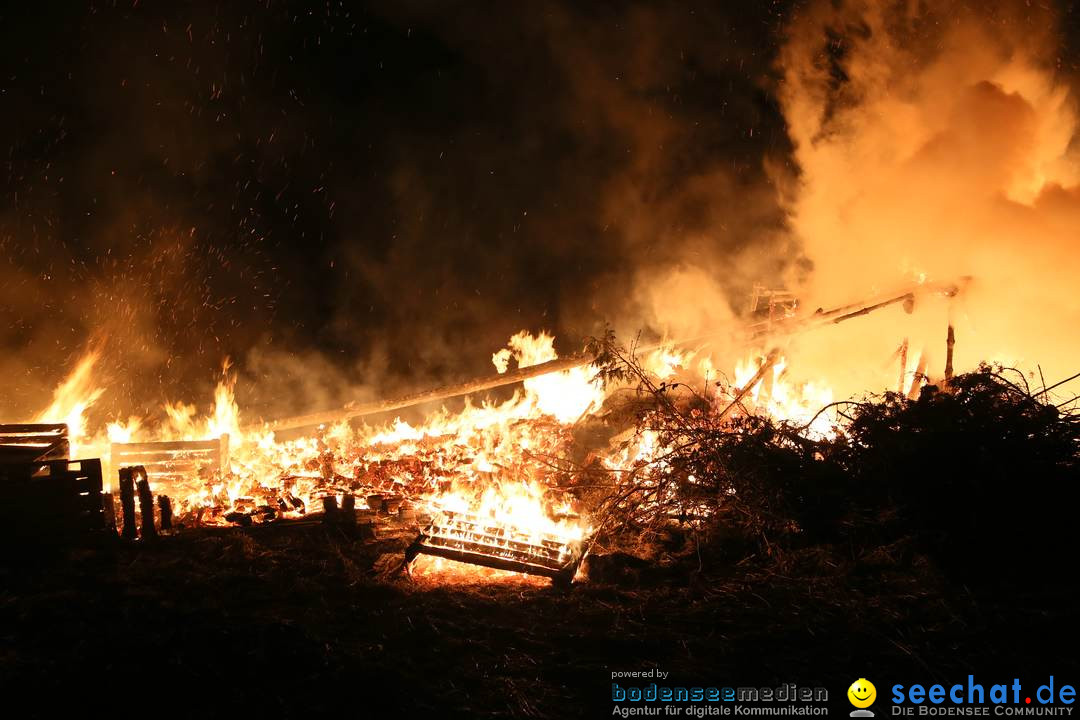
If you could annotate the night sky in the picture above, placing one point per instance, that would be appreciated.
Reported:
(375, 194)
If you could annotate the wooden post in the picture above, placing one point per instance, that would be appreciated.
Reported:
(950, 341)
(146, 508)
(903, 365)
(330, 508)
(348, 509)
(127, 502)
(165, 506)
(917, 378)
(752, 334)
(766, 366)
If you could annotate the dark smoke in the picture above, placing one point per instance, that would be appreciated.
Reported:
(372, 198)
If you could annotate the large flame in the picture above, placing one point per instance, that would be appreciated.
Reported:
(72, 398)
(496, 463)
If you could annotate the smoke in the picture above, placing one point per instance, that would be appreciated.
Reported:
(934, 141)
(352, 201)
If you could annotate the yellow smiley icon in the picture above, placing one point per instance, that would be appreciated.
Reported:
(862, 693)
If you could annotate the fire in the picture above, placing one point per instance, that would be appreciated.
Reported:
(119, 432)
(566, 395)
(490, 475)
(782, 398)
(72, 398)
(226, 418)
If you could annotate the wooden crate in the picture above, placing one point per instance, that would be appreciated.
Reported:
(168, 462)
(51, 498)
(26, 442)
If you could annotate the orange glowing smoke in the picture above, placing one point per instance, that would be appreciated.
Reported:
(934, 141)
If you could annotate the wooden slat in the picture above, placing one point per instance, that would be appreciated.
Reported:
(170, 445)
(491, 561)
(172, 468)
(152, 458)
(164, 453)
(44, 440)
(24, 428)
(23, 442)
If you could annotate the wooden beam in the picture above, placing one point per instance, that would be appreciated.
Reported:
(903, 365)
(750, 334)
(488, 382)
(950, 341)
(766, 366)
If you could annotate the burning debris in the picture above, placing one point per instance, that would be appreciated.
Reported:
(511, 486)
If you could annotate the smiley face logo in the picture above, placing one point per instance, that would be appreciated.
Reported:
(862, 693)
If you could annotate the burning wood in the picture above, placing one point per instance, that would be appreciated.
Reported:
(26, 442)
(127, 501)
(146, 507)
(173, 460)
(788, 323)
(471, 538)
(165, 507)
(134, 482)
(485, 475)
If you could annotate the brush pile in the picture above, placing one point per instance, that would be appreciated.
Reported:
(981, 475)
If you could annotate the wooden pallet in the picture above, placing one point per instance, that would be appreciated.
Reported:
(167, 462)
(57, 498)
(468, 538)
(27, 442)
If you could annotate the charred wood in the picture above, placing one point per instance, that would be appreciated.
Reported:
(127, 501)
(165, 507)
(146, 508)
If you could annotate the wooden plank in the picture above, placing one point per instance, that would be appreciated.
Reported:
(24, 428)
(149, 458)
(172, 470)
(752, 333)
(491, 561)
(43, 440)
(186, 452)
(214, 445)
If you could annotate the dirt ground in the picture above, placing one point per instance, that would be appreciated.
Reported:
(298, 621)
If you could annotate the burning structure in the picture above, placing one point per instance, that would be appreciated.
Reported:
(499, 485)
(893, 185)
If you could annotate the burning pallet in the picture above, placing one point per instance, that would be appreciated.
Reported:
(173, 461)
(28, 442)
(470, 538)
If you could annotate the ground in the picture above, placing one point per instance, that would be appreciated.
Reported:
(297, 621)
